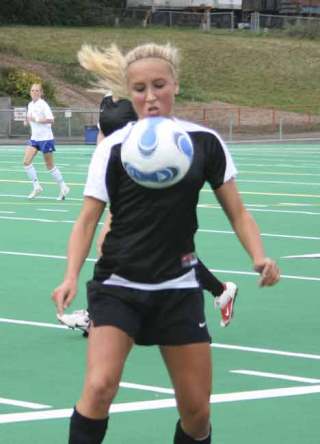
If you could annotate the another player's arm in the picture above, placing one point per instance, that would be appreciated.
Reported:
(247, 231)
(78, 248)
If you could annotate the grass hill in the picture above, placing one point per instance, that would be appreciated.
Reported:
(238, 67)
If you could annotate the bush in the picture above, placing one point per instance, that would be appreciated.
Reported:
(17, 83)
(310, 30)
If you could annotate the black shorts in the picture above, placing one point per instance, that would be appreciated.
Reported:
(163, 317)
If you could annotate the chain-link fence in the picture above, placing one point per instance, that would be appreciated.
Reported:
(260, 22)
(233, 123)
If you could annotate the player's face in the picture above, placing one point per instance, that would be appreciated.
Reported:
(35, 92)
(152, 87)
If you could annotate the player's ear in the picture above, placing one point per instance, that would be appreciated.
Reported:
(176, 91)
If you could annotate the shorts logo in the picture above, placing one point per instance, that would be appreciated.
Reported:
(202, 324)
(188, 260)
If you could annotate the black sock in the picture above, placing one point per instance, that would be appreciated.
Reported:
(180, 437)
(84, 430)
(208, 280)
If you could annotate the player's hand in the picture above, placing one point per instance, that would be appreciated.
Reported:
(63, 295)
(269, 272)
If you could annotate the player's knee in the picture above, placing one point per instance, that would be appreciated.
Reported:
(102, 389)
(195, 419)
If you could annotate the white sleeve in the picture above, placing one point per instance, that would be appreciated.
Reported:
(96, 180)
(47, 110)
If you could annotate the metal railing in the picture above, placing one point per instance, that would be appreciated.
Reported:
(232, 122)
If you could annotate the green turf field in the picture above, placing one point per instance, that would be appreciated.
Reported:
(266, 364)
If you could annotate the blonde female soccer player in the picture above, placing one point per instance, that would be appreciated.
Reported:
(40, 119)
(140, 294)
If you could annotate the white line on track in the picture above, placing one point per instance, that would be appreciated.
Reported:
(277, 376)
(303, 256)
(32, 323)
(216, 270)
(266, 351)
(214, 344)
(53, 210)
(166, 403)
(23, 196)
(202, 230)
(25, 404)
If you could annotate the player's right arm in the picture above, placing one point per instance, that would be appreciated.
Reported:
(78, 249)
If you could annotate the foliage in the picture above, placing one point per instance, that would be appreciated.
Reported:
(237, 68)
(17, 83)
(310, 30)
(58, 12)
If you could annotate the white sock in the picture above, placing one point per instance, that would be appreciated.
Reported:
(32, 174)
(56, 174)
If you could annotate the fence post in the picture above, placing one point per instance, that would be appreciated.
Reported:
(230, 127)
(232, 20)
(280, 128)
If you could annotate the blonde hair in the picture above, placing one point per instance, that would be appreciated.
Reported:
(110, 65)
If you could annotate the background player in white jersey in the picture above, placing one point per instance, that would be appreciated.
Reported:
(142, 294)
(40, 119)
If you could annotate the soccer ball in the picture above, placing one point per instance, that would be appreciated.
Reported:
(157, 152)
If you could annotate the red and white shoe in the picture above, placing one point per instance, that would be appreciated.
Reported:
(225, 302)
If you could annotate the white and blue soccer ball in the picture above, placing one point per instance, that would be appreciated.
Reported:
(157, 152)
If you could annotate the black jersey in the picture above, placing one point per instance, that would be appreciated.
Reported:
(115, 114)
(151, 239)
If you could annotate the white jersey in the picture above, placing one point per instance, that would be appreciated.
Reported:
(40, 110)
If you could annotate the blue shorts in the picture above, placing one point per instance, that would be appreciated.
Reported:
(45, 146)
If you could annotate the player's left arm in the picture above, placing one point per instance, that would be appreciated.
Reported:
(247, 231)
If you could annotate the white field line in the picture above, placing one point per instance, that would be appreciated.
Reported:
(277, 376)
(25, 404)
(200, 230)
(166, 403)
(24, 196)
(285, 236)
(148, 388)
(266, 351)
(32, 323)
(214, 344)
(265, 210)
(53, 210)
(303, 256)
(216, 270)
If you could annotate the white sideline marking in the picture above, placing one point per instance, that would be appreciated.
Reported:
(165, 403)
(53, 210)
(28, 405)
(214, 344)
(286, 236)
(266, 351)
(276, 376)
(148, 388)
(32, 323)
(7, 212)
(252, 273)
(302, 256)
(216, 270)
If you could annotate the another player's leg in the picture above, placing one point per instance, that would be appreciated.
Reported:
(30, 153)
(224, 293)
(55, 171)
